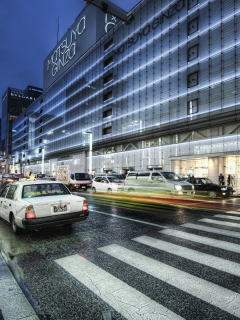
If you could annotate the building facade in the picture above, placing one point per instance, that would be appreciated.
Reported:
(14, 102)
(161, 93)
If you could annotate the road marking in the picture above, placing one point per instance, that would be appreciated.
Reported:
(233, 212)
(226, 217)
(126, 300)
(222, 223)
(134, 220)
(223, 232)
(213, 294)
(203, 240)
(193, 255)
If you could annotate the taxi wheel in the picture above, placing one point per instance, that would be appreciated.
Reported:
(213, 194)
(15, 228)
(131, 190)
(93, 190)
(109, 191)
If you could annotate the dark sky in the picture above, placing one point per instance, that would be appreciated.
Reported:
(28, 34)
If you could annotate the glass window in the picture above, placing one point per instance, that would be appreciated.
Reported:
(108, 61)
(11, 192)
(192, 106)
(171, 176)
(43, 190)
(192, 79)
(107, 130)
(192, 26)
(131, 176)
(82, 176)
(107, 113)
(193, 53)
(192, 3)
(115, 180)
(3, 193)
(108, 44)
(156, 176)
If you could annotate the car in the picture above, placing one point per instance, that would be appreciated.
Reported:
(116, 175)
(34, 205)
(157, 182)
(205, 187)
(49, 178)
(107, 184)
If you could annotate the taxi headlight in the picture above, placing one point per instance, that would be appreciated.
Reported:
(178, 187)
(224, 189)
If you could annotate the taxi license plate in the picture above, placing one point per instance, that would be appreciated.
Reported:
(60, 208)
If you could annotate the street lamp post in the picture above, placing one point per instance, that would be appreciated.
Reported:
(90, 151)
(42, 160)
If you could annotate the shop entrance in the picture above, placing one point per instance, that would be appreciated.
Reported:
(196, 167)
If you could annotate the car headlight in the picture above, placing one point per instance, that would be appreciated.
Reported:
(178, 187)
(224, 189)
(192, 187)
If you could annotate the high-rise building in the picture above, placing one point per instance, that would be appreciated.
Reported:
(14, 102)
(161, 93)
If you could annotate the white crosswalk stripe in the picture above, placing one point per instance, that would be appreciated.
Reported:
(129, 302)
(223, 232)
(217, 296)
(222, 223)
(221, 216)
(133, 304)
(193, 255)
(203, 240)
(233, 212)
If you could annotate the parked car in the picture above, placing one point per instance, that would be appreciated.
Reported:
(157, 182)
(36, 204)
(107, 184)
(205, 187)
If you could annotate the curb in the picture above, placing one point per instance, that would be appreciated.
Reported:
(13, 303)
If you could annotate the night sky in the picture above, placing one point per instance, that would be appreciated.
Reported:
(29, 33)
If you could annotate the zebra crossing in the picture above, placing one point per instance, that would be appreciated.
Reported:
(133, 304)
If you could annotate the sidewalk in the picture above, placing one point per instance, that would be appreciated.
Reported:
(13, 303)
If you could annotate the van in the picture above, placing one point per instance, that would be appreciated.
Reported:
(157, 182)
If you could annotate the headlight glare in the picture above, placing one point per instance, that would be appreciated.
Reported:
(178, 187)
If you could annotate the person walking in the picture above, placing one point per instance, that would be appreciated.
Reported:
(221, 179)
(229, 180)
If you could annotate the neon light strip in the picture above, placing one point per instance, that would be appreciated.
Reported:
(130, 131)
(196, 88)
(144, 87)
(134, 52)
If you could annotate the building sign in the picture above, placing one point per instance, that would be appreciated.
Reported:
(149, 27)
(67, 49)
(232, 153)
(24, 96)
(110, 23)
(86, 30)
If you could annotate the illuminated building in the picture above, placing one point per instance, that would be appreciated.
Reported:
(160, 93)
(14, 102)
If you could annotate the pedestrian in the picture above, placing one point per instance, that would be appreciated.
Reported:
(229, 180)
(221, 179)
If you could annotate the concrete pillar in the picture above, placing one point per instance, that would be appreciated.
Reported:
(175, 166)
(215, 167)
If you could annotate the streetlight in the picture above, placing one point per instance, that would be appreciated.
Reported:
(90, 151)
(42, 160)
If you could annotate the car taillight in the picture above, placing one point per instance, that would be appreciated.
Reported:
(30, 213)
(85, 205)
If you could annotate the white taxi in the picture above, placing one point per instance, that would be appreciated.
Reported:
(107, 184)
(40, 204)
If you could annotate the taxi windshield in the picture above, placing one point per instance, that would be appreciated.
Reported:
(43, 190)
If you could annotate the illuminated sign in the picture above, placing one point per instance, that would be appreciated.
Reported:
(66, 50)
(110, 23)
(154, 25)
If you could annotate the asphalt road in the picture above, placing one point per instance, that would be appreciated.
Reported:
(133, 259)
